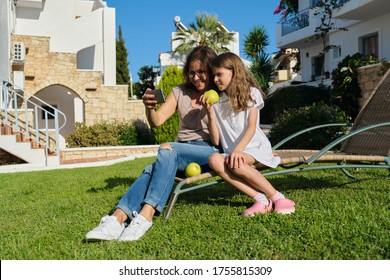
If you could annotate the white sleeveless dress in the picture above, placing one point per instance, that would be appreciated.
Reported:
(232, 126)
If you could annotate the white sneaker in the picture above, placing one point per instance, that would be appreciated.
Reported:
(136, 229)
(108, 229)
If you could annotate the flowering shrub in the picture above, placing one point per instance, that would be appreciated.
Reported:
(286, 7)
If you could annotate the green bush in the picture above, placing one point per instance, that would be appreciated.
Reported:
(99, 134)
(171, 77)
(294, 120)
(136, 133)
(293, 97)
(127, 134)
(110, 134)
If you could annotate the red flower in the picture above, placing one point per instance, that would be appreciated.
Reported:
(279, 8)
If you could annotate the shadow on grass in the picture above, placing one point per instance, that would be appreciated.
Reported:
(222, 193)
(114, 182)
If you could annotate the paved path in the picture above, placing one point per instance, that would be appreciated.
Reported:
(102, 161)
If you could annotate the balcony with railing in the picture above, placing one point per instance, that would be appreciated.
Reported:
(294, 30)
(295, 22)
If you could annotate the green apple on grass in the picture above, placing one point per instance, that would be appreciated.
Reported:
(212, 96)
(192, 169)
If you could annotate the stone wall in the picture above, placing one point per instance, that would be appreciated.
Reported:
(368, 79)
(107, 152)
(43, 68)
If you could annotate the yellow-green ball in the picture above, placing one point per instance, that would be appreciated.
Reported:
(192, 169)
(212, 96)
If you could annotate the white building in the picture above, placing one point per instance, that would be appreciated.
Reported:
(368, 32)
(61, 54)
(74, 26)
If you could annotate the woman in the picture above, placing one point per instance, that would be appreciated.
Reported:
(148, 195)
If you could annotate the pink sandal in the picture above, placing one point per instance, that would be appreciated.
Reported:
(284, 206)
(257, 208)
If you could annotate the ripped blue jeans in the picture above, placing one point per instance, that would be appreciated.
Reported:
(155, 183)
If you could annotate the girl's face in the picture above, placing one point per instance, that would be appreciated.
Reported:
(222, 77)
(199, 76)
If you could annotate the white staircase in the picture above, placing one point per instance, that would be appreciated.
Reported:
(20, 133)
(25, 149)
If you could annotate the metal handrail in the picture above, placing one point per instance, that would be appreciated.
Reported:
(9, 103)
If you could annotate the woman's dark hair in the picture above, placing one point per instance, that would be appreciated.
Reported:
(204, 54)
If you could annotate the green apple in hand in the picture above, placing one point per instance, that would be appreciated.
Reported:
(212, 96)
(192, 169)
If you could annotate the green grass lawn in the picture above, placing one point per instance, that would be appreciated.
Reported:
(45, 215)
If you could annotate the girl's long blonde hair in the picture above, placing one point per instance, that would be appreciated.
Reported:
(239, 91)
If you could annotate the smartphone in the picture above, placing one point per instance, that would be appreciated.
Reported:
(158, 95)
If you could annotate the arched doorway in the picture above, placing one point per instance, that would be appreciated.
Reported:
(65, 100)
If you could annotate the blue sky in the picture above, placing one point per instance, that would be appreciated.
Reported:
(147, 25)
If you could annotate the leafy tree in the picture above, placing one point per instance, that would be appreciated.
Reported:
(206, 31)
(255, 42)
(167, 132)
(137, 90)
(254, 47)
(327, 25)
(146, 79)
(122, 70)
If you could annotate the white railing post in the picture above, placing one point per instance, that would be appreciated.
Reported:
(9, 94)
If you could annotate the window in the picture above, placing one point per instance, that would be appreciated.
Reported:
(369, 45)
(317, 63)
(50, 111)
(336, 51)
(314, 3)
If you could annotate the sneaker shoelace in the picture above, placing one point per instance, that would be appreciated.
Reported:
(137, 224)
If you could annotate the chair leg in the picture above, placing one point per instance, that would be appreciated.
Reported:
(171, 203)
(348, 174)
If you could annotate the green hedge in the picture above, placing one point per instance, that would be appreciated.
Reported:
(295, 120)
(110, 134)
(293, 97)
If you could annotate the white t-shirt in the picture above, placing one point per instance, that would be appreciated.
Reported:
(232, 126)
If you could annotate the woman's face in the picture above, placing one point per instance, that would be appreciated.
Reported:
(199, 76)
(222, 77)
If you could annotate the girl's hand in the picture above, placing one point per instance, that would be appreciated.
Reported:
(208, 107)
(236, 159)
(149, 100)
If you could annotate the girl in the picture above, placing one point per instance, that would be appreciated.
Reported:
(234, 123)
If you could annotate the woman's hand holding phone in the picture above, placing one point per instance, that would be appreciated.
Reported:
(153, 97)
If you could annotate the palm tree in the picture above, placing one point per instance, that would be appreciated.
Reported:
(256, 42)
(206, 31)
(254, 47)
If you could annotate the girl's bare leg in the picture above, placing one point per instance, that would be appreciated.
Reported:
(246, 179)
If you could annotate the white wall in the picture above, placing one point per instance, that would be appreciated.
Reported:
(7, 17)
(74, 27)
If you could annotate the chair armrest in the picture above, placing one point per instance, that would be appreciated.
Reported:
(285, 140)
(343, 138)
